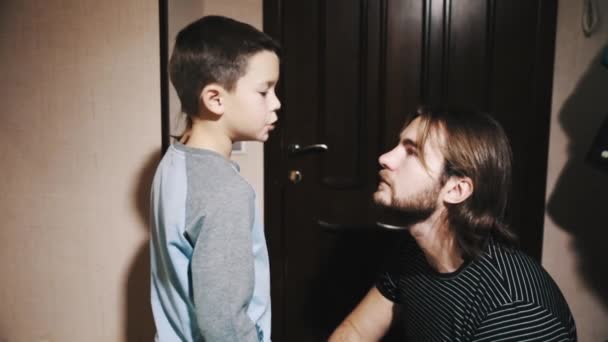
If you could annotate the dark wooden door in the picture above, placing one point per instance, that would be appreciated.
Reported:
(352, 71)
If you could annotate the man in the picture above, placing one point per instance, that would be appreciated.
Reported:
(456, 276)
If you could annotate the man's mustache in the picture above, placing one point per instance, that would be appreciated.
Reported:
(384, 176)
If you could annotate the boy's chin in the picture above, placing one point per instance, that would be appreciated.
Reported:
(258, 138)
(262, 137)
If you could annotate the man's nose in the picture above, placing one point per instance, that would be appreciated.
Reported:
(384, 160)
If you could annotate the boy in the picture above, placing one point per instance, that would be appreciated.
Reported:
(209, 261)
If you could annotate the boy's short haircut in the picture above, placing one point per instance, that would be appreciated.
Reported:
(213, 49)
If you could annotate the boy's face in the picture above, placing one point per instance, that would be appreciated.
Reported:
(250, 109)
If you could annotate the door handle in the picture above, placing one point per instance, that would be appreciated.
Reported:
(390, 226)
(295, 149)
(336, 227)
(343, 227)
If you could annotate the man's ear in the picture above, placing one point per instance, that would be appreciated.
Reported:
(212, 98)
(458, 189)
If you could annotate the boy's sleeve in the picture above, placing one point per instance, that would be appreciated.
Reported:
(222, 269)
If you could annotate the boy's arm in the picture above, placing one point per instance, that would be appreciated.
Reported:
(222, 270)
(369, 321)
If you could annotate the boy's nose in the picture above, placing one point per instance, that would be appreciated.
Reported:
(274, 117)
(276, 104)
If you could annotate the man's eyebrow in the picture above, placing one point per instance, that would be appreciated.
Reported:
(409, 142)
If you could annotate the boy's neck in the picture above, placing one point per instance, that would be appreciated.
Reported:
(210, 136)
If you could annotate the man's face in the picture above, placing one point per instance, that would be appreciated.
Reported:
(251, 107)
(405, 184)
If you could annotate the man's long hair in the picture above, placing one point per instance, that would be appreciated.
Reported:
(475, 146)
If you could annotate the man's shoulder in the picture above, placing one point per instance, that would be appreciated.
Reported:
(511, 266)
(511, 258)
(521, 279)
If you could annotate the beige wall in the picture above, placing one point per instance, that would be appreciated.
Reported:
(80, 137)
(80, 134)
(575, 225)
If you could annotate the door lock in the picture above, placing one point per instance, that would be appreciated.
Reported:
(295, 176)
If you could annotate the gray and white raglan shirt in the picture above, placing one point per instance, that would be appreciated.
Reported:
(209, 260)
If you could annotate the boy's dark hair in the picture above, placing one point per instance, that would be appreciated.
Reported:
(213, 49)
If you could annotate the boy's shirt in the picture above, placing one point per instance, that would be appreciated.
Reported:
(209, 260)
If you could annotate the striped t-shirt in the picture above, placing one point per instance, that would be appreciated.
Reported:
(502, 295)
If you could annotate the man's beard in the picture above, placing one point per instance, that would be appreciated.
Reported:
(402, 213)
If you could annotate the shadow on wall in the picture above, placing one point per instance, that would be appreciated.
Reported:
(140, 325)
(579, 202)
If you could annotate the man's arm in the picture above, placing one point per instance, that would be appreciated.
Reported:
(369, 321)
(524, 321)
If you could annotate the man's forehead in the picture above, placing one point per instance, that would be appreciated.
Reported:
(410, 130)
(413, 130)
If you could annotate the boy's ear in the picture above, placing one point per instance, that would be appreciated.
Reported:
(212, 98)
(458, 189)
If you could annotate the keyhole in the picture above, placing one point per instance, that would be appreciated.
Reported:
(295, 176)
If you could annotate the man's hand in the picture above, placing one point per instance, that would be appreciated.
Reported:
(369, 321)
